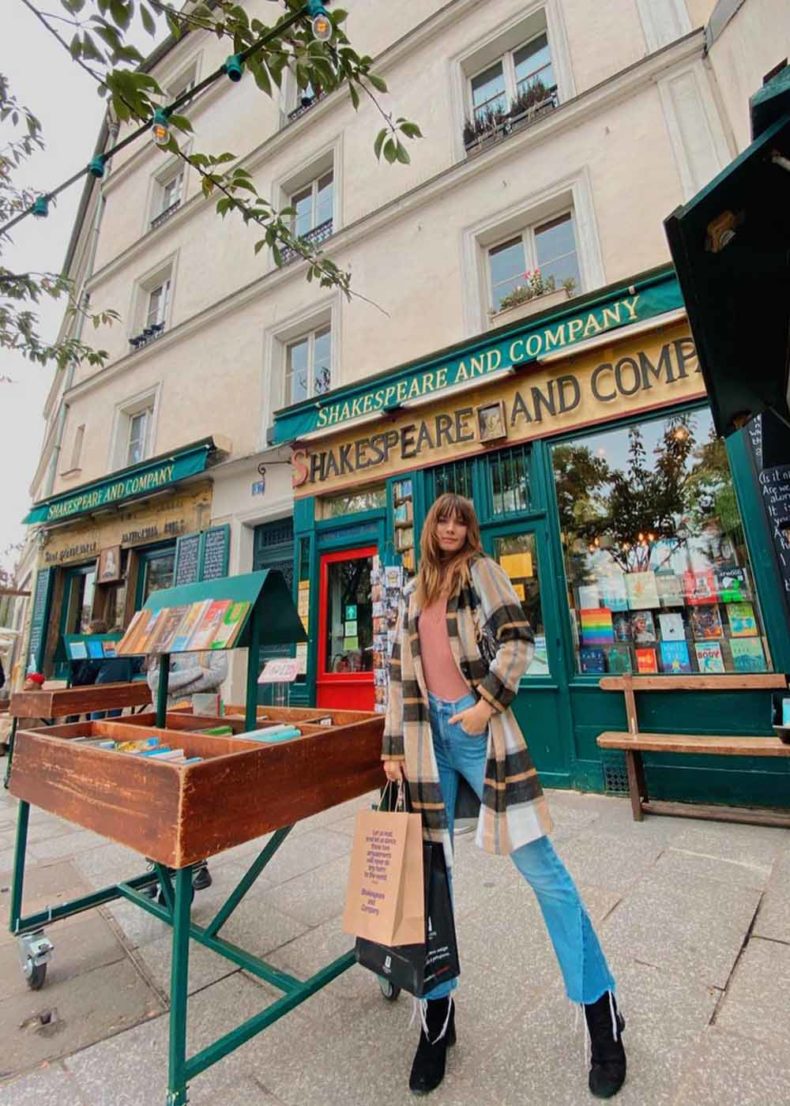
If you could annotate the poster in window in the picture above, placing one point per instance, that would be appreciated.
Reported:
(747, 654)
(618, 659)
(741, 619)
(675, 657)
(643, 627)
(705, 623)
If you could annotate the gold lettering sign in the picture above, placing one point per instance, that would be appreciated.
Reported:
(189, 510)
(584, 390)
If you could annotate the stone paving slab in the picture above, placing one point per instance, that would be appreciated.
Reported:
(314, 897)
(44, 885)
(773, 919)
(685, 867)
(88, 1007)
(695, 929)
(47, 1086)
(617, 868)
(729, 1070)
(757, 1003)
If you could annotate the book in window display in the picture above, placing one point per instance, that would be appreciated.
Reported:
(675, 658)
(641, 590)
(747, 654)
(705, 623)
(167, 628)
(209, 625)
(190, 622)
(741, 619)
(709, 656)
(645, 660)
(643, 627)
(672, 627)
(613, 593)
(589, 597)
(621, 624)
(592, 659)
(618, 659)
(699, 588)
(732, 585)
(670, 589)
(596, 625)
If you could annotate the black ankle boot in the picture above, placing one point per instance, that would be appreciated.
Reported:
(427, 1071)
(607, 1060)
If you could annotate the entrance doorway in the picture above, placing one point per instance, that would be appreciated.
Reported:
(79, 587)
(345, 630)
(273, 548)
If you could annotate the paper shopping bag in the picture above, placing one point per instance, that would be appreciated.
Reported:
(419, 968)
(385, 895)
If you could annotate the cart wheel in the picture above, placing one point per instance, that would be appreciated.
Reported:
(36, 975)
(388, 989)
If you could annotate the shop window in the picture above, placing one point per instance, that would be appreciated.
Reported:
(508, 472)
(348, 631)
(351, 503)
(518, 556)
(157, 570)
(549, 247)
(455, 478)
(657, 568)
(308, 366)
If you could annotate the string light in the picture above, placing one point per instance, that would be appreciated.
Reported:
(234, 67)
(159, 124)
(321, 23)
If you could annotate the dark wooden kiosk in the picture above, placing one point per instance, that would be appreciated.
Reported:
(177, 814)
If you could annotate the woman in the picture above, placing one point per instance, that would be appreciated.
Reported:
(448, 720)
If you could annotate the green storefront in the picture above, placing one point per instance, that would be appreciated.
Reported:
(634, 536)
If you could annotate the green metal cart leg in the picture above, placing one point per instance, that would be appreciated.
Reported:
(179, 974)
(22, 819)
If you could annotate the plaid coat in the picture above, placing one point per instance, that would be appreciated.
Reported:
(514, 810)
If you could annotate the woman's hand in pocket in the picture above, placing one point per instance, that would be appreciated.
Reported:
(474, 720)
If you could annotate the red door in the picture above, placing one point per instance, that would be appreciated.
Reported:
(345, 628)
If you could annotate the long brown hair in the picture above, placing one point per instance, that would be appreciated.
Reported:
(438, 574)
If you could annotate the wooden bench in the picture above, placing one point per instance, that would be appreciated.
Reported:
(634, 743)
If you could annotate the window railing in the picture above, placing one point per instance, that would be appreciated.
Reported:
(315, 237)
(304, 105)
(150, 334)
(163, 216)
(527, 108)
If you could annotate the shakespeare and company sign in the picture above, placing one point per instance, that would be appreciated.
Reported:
(585, 391)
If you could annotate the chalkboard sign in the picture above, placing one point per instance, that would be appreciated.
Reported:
(187, 566)
(216, 547)
(775, 488)
(38, 619)
(754, 440)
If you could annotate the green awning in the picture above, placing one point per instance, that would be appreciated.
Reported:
(266, 592)
(130, 483)
(731, 248)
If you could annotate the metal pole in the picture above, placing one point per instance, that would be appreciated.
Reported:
(253, 653)
(179, 975)
(161, 690)
(22, 818)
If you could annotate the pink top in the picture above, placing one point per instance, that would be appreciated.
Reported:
(442, 677)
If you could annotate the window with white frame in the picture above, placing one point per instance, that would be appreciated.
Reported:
(308, 366)
(76, 448)
(153, 307)
(158, 299)
(512, 81)
(548, 246)
(183, 83)
(313, 206)
(134, 435)
(168, 195)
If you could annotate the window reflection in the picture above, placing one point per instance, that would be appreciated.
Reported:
(655, 556)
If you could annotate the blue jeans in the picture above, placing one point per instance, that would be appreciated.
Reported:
(581, 959)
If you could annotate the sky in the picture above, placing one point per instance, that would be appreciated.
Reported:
(65, 99)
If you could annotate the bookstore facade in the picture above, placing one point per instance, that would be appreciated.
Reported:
(106, 546)
(632, 534)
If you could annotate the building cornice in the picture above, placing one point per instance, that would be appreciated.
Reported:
(567, 116)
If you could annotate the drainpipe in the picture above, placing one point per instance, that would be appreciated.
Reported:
(82, 300)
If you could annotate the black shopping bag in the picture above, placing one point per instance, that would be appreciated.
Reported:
(419, 968)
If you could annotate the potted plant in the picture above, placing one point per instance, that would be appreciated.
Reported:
(531, 102)
(483, 130)
(537, 293)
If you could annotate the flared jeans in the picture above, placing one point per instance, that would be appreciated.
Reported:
(576, 945)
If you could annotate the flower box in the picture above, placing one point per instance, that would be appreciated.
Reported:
(530, 307)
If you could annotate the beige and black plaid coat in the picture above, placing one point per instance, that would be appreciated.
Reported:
(513, 811)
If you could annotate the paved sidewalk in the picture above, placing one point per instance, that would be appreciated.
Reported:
(694, 916)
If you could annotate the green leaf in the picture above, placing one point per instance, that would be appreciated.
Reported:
(259, 245)
(354, 96)
(401, 153)
(390, 152)
(149, 23)
(378, 82)
(181, 123)
(380, 139)
(410, 130)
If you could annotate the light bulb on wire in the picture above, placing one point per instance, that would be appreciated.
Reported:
(320, 21)
(160, 127)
